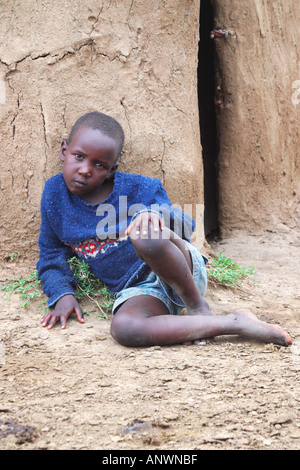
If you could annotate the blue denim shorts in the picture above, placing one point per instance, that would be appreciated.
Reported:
(152, 285)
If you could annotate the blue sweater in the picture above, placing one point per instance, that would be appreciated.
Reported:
(95, 232)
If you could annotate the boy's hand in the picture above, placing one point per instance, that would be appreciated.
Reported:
(141, 223)
(63, 309)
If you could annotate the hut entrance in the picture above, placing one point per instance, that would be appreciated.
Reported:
(207, 114)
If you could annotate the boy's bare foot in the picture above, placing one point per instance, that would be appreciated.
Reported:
(250, 326)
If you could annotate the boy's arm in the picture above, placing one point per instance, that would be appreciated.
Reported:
(56, 275)
(52, 267)
(172, 217)
(180, 222)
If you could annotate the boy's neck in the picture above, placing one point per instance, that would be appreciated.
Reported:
(96, 197)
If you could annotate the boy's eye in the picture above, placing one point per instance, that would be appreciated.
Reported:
(99, 165)
(78, 156)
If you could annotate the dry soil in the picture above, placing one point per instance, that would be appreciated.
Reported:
(78, 389)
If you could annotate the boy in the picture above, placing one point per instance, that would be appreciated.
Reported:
(134, 248)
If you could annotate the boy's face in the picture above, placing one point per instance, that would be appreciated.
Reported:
(89, 162)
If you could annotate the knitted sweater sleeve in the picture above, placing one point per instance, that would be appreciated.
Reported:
(52, 266)
(174, 218)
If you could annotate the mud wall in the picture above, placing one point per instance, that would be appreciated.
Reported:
(138, 62)
(134, 60)
(258, 110)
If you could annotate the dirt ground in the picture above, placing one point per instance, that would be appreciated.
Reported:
(78, 389)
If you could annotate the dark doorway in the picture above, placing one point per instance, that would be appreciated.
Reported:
(208, 128)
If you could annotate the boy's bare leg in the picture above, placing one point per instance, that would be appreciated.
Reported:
(169, 258)
(144, 321)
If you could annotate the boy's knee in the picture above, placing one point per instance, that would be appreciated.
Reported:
(126, 330)
(121, 329)
(150, 247)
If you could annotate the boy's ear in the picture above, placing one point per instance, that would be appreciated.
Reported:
(113, 170)
(62, 150)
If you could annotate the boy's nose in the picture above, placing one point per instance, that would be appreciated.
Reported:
(84, 170)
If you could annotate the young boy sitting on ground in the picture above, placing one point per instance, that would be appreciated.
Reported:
(124, 227)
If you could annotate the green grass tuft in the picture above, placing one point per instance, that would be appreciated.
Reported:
(29, 288)
(226, 272)
(89, 286)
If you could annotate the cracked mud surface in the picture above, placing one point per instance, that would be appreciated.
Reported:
(78, 389)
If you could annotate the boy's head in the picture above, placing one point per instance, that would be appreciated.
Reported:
(90, 156)
(103, 123)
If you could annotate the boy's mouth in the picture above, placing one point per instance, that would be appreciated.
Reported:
(79, 183)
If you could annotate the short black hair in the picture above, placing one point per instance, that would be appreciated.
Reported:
(104, 123)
